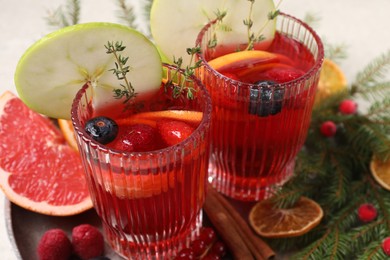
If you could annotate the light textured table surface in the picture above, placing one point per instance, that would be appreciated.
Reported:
(363, 26)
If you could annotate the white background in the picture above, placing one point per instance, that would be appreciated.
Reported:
(363, 26)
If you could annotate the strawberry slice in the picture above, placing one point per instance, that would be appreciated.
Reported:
(173, 131)
(136, 138)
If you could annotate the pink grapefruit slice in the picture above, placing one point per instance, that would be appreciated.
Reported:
(39, 171)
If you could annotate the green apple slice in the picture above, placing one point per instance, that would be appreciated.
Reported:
(175, 24)
(53, 69)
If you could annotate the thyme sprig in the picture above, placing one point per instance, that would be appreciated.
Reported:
(120, 71)
(184, 86)
(258, 37)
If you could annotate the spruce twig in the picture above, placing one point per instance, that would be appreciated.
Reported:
(60, 18)
(335, 172)
(126, 13)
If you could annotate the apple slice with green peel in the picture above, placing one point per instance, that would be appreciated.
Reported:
(175, 24)
(53, 69)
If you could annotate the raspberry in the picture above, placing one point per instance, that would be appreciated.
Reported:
(328, 129)
(87, 241)
(54, 244)
(367, 212)
(386, 246)
(348, 107)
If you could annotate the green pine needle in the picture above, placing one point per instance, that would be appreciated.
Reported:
(60, 18)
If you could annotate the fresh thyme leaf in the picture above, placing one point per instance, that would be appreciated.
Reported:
(120, 71)
(273, 14)
(59, 18)
(184, 86)
(255, 38)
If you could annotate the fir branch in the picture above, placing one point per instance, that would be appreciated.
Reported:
(312, 19)
(373, 73)
(60, 18)
(373, 252)
(335, 52)
(126, 13)
(342, 163)
(146, 13)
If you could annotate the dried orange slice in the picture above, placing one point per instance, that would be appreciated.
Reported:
(66, 127)
(270, 221)
(332, 80)
(381, 172)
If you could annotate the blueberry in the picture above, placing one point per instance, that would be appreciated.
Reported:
(102, 129)
(265, 99)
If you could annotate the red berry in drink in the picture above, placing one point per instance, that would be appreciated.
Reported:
(282, 75)
(136, 138)
(207, 235)
(348, 107)
(185, 254)
(174, 132)
(328, 129)
(367, 212)
(386, 246)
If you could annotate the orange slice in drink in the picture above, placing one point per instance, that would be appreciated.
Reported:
(381, 172)
(141, 186)
(269, 221)
(244, 60)
(150, 118)
(332, 80)
(66, 127)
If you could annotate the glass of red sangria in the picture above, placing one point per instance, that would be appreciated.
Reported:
(262, 103)
(148, 182)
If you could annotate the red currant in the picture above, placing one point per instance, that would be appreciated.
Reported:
(207, 235)
(386, 246)
(219, 248)
(199, 247)
(211, 256)
(367, 212)
(185, 254)
(328, 129)
(348, 107)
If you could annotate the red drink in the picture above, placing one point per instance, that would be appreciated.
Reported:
(262, 104)
(149, 195)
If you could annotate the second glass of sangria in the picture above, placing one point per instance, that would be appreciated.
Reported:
(262, 96)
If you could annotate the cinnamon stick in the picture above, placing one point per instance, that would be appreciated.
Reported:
(257, 247)
(222, 222)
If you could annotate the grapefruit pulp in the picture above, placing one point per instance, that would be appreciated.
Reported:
(39, 171)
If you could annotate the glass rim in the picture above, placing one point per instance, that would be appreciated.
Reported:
(316, 66)
(80, 131)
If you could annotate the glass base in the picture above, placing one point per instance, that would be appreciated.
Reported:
(164, 249)
(246, 188)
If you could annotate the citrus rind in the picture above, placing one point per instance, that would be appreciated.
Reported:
(271, 222)
(381, 172)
